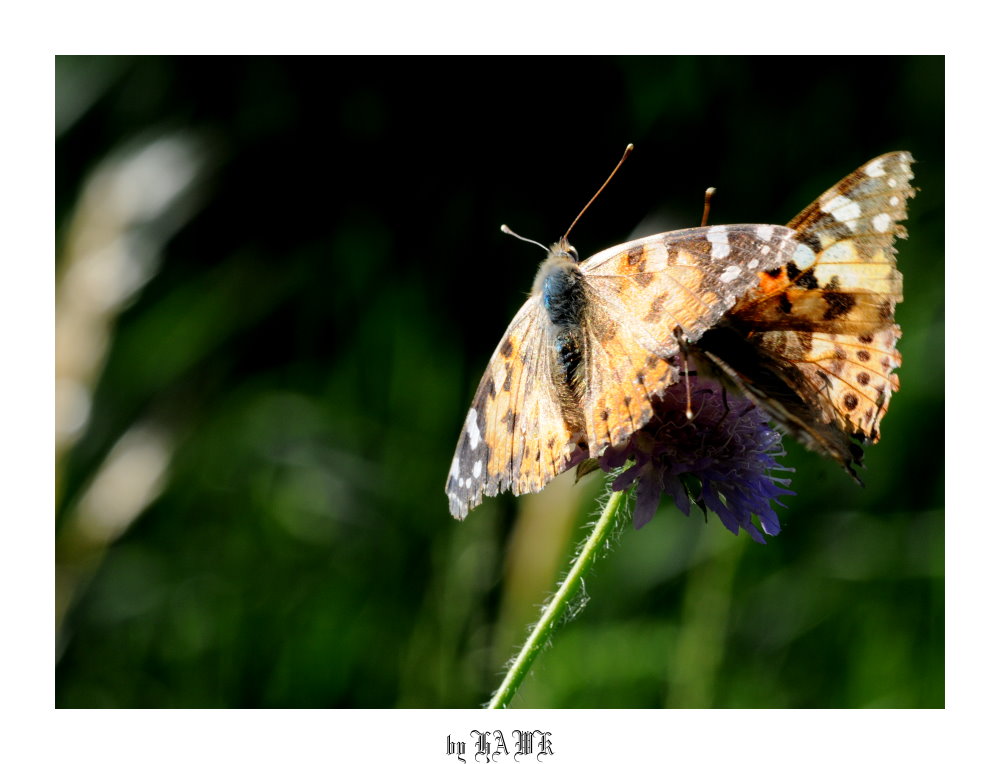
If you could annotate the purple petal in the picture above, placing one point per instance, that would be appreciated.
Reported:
(624, 480)
(769, 521)
(728, 448)
(647, 499)
(679, 493)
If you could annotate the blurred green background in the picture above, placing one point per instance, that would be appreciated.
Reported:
(278, 282)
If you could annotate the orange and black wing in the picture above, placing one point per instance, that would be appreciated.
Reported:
(646, 297)
(515, 436)
(824, 322)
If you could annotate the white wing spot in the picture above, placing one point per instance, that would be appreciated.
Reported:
(459, 508)
(454, 467)
(893, 182)
(752, 265)
(766, 249)
(468, 482)
(841, 252)
(803, 257)
(731, 273)
(881, 222)
(719, 239)
(472, 427)
(477, 469)
(765, 231)
(842, 209)
(894, 201)
(656, 258)
(874, 168)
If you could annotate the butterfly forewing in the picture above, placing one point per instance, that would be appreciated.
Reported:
(641, 293)
(685, 279)
(514, 436)
(830, 310)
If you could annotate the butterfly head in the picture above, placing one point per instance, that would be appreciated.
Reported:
(563, 250)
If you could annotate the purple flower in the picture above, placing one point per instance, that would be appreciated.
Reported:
(722, 459)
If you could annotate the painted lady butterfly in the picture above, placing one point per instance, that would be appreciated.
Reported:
(799, 318)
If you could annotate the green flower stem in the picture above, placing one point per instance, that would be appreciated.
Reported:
(553, 612)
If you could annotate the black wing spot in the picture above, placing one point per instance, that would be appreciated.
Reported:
(655, 310)
(510, 419)
(838, 304)
(808, 280)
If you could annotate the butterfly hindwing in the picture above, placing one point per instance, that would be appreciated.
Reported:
(622, 379)
(776, 385)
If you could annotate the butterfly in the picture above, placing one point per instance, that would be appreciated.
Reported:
(798, 318)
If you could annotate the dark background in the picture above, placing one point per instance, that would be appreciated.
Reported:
(278, 351)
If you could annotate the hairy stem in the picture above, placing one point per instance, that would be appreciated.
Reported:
(557, 606)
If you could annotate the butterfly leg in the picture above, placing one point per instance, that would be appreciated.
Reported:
(682, 344)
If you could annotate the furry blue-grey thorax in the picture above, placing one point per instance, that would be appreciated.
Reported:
(560, 283)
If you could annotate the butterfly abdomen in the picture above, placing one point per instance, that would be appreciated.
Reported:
(569, 354)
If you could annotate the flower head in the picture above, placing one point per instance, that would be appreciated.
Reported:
(721, 459)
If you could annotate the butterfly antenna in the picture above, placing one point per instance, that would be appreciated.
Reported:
(709, 193)
(506, 230)
(628, 150)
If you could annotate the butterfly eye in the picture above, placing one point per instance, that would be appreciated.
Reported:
(571, 250)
